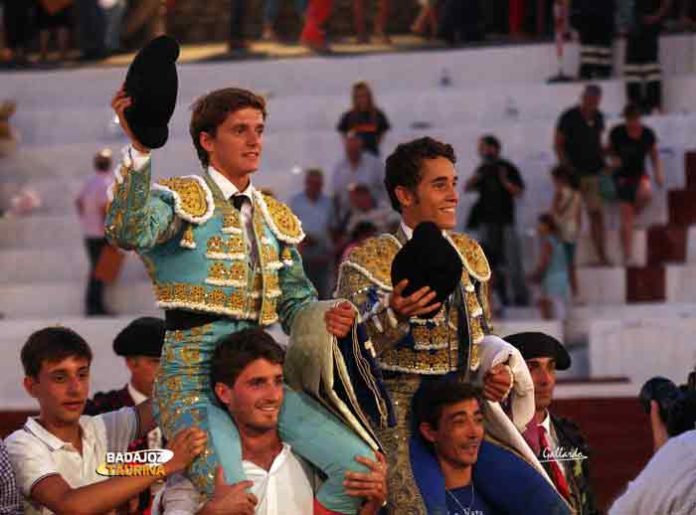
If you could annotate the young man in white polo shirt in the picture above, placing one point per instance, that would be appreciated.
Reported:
(55, 456)
(247, 376)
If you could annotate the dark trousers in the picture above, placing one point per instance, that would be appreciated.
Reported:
(91, 27)
(94, 301)
(17, 22)
(501, 244)
(461, 21)
(643, 71)
(596, 38)
(237, 16)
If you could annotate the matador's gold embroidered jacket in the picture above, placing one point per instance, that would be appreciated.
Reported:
(424, 347)
(193, 246)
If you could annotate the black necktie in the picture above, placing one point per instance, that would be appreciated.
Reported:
(238, 201)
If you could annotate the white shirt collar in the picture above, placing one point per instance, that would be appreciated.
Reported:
(546, 424)
(408, 232)
(52, 441)
(226, 187)
(251, 467)
(137, 396)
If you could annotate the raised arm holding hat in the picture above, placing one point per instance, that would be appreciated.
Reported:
(222, 257)
(422, 294)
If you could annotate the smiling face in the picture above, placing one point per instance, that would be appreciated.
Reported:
(255, 399)
(435, 198)
(458, 435)
(62, 388)
(235, 148)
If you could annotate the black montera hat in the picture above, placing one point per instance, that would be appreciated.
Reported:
(540, 345)
(152, 84)
(144, 336)
(428, 259)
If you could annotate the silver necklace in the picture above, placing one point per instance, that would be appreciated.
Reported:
(465, 511)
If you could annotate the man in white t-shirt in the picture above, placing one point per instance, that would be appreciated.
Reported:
(667, 484)
(247, 376)
(55, 456)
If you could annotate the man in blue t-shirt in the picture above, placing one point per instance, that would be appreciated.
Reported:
(449, 418)
(457, 471)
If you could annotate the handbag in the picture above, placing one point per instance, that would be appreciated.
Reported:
(109, 264)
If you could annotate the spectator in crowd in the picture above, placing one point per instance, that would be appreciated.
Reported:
(140, 343)
(365, 119)
(594, 22)
(247, 376)
(425, 23)
(567, 213)
(668, 482)
(8, 136)
(364, 208)
(145, 20)
(498, 183)
(461, 21)
(270, 14)
(556, 441)
(91, 207)
(578, 146)
(642, 68)
(113, 12)
(16, 18)
(315, 211)
(629, 144)
(56, 455)
(91, 29)
(10, 498)
(313, 33)
(237, 41)
(357, 167)
(54, 15)
(380, 25)
(551, 271)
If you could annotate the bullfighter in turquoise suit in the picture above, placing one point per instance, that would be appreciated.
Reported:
(222, 257)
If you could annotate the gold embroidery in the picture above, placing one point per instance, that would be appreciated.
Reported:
(431, 362)
(215, 245)
(235, 245)
(193, 197)
(270, 253)
(374, 259)
(281, 219)
(268, 312)
(472, 255)
(187, 240)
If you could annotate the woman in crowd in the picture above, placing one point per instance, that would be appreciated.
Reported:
(365, 118)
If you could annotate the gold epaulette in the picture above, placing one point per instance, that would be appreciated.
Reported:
(472, 255)
(280, 218)
(373, 258)
(193, 200)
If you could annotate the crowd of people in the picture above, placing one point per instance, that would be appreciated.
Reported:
(591, 171)
(421, 408)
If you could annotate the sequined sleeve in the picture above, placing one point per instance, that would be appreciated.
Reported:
(137, 218)
(296, 290)
(383, 328)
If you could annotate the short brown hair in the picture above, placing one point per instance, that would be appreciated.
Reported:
(52, 344)
(211, 110)
(403, 166)
(237, 350)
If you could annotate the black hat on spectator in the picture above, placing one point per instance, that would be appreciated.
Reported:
(152, 84)
(540, 345)
(144, 336)
(428, 259)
